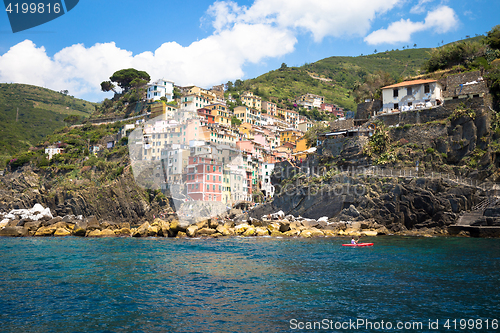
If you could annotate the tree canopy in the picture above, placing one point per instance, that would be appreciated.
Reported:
(128, 78)
(371, 88)
(493, 38)
(107, 86)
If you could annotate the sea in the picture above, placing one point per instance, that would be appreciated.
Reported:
(401, 284)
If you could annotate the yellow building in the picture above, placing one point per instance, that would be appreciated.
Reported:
(252, 101)
(226, 185)
(290, 135)
(248, 115)
(203, 93)
(162, 107)
(246, 129)
(301, 147)
(222, 115)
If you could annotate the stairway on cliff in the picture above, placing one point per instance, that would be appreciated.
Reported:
(476, 213)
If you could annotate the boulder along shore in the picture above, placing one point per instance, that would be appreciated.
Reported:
(39, 222)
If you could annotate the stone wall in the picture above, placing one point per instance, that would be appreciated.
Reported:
(341, 124)
(437, 113)
(454, 89)
(365, 110)
(333, 146)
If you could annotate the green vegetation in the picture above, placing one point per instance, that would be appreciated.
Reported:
(312, 134)
(77, 162)
(338, 77)
(379, 141)
(235, 121)
(128, 78)
(471, 54)
(493, 37)
(463, 111)
(128, 102)
(29, 113)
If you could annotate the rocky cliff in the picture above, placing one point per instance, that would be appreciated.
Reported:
(119, 200)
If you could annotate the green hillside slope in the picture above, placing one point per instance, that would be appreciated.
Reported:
(29, 113)
(338, 75)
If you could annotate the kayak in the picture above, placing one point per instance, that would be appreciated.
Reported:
(358, 245)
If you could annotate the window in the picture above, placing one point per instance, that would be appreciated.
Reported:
(208, 177)
(427, 89)
(208, 187)
(396, 106)
(409, 91)
(410, 103)
(213, 187)
(395, 93)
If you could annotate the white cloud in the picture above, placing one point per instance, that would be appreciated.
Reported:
(213, 60)
(399, 31)
(242, 35)
(318, 17)
(441, 20)
(419, 8)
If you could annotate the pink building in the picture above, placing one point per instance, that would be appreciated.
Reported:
(204, 179)
(335, 109)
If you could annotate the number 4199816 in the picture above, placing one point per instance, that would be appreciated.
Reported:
(33, 8)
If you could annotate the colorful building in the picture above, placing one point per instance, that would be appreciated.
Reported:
(248, 115)
(251, 100)
(204, 179)
(269, 107)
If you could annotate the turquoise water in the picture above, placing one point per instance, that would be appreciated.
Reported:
(245, 284)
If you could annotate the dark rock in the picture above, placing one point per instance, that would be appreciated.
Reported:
(284, 225)
(444, 218)
(493, 212)
(14, 232)
(13, 223)
(52, 221)
(33, 226)
(213, 223)
(80, 228)
(92, 223)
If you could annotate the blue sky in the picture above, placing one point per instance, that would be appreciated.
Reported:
(210, 42)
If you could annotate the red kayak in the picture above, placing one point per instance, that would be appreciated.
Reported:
(359, 244)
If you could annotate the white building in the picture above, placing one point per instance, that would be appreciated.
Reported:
(51, 151)
(267, 188)
(193, 102)
(174, 159)
(159, 89)
(412, 95)
(310, 101)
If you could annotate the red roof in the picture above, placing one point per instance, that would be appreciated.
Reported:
(409, 83)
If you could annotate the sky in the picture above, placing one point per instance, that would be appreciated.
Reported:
(205, 43)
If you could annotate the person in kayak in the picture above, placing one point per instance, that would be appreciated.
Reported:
(353, 241)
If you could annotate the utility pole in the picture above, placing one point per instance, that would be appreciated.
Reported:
(17, 115)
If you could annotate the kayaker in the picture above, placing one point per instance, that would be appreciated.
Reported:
(353, 241)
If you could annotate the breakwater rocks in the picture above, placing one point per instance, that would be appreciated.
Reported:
(23, 223)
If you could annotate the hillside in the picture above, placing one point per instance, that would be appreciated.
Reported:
(29, 113)
(335, 76)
